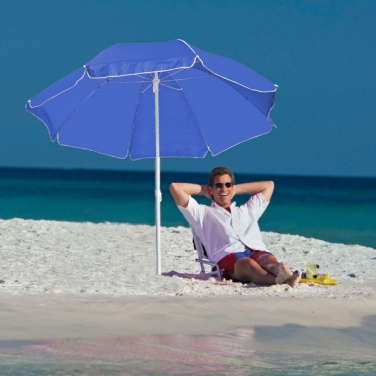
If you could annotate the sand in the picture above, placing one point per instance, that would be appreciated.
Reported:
(84, 298)
(63, 279)
(85, 259)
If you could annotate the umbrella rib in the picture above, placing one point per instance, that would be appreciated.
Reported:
(237, 83)
(194, 115)
(80, 105)
(127, 82)
(228, 81)
(61, 92)
(142, 90)
(163, 83)
(133, 82)
(170, 87)
(197, 57)
(169, 77)
(173, 79)
(143, 80)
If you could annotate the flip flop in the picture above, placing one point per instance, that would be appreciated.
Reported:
(322, 279)
(311, 276)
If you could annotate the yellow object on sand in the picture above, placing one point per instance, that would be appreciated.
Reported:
(312, 276)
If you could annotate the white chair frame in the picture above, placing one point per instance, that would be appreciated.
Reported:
(203, 258)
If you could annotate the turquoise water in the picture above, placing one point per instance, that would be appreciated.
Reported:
(333, 209)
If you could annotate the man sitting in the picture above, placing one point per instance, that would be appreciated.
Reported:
(231, 233)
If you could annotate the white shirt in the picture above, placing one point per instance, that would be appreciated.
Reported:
(223, 232)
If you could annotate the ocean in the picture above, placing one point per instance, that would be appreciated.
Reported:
(339, 210)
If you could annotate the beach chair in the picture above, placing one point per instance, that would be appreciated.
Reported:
(203, 259)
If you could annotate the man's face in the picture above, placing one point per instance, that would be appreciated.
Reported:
(222, 195)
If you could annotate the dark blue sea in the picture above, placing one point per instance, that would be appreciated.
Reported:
(333, 209)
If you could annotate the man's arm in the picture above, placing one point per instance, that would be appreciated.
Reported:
(264, 187)
(182, 191)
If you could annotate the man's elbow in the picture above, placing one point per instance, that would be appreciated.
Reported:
(173, 188)
(268, 191)
(270, 186)
(175, 191)
(180, 197)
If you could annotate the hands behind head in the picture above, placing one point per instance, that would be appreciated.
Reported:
(205, 192)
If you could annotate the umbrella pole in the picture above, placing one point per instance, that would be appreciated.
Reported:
(158, 194)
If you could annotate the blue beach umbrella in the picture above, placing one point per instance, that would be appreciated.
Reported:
(153, 100)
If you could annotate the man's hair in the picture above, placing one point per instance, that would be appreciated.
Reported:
(220, 171)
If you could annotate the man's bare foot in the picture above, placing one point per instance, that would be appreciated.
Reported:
(284, 274)
(294, 280)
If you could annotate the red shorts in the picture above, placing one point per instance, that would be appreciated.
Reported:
(228, 262)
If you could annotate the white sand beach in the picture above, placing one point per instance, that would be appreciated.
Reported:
(90, 293)
(63, 279)
(86, 259)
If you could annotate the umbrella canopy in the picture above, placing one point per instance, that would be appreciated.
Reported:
(152, 100)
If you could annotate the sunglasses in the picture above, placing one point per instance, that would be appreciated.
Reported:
(220, 185)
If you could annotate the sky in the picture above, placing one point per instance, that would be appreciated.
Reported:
(321, 54)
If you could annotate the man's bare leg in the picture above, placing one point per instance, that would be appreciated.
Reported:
(265, 271)
(248, 270)
(279, 269)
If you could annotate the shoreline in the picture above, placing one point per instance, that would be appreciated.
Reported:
(43, 317)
